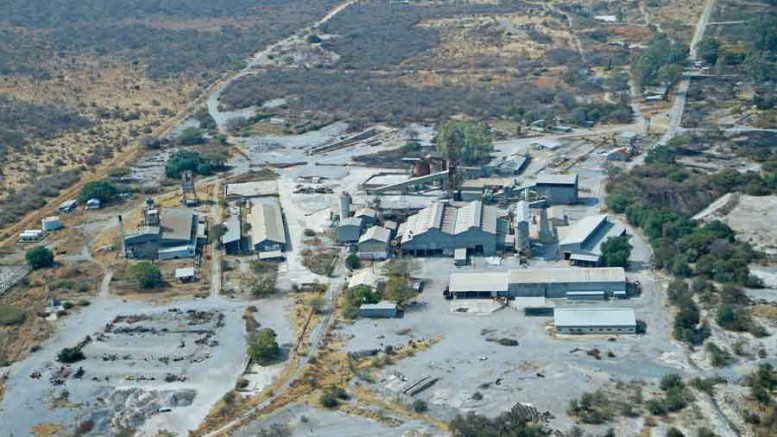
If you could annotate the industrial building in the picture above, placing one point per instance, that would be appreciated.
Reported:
(554, 283)
(167, 234)
(446, 226)
(583, 240)
(506, 165)
(349, 230)
(267, 230)
(375, 243)
(595, 320)
(50, 224)
(382, 309)
(560, 189)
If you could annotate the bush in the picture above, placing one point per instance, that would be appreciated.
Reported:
(718, 357)
(616, 252)
(145, 274)
(332, 396)
(352, 262)
(39, 257)
(70, 355)
(11, 315)
(420, 406)
(263, 347)
(103, 190)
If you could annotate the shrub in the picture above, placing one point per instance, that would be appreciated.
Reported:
(718, 357)
(420, 406)
(103, 190)
(70, 355)
(11, 315)
(145, 274)
(352, 262)
(39, 257)
(263, 347)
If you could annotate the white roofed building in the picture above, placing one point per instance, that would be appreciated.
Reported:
(375, 243)
(603, 321)
(583, 240)
(550, 282)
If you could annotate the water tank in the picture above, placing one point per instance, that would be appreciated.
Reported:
(344, 205)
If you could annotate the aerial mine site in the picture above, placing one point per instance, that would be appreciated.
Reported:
(402, 218)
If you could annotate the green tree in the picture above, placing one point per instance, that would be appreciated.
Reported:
(708, 49)
(103, 190)
(263, 346)
(39, 257)
(145, 274)
(191, 136)
(464, 142)
(215, 233)
(352, 262)
(661, 155)
(420, 406)
(616, 252)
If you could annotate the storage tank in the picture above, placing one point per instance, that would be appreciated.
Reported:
(344, 205)
(522, 242)
(50, 224)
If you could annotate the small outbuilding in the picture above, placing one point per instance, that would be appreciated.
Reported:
(383, 309)
(368, 215)
(93, 203)
(184, 274)
(595, 320)
(50, 224)
(68, 206)
(460, 256)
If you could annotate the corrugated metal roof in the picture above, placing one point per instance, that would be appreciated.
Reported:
(594, 317)
(582, 229)
(547, 143)
(491, 281)
(451, 219)
(366, 212)
(363, 277)
(584, 257)
(351, 221)
(556, 179)
(266, 223)
(382, 305)
(567, 275)
(177, 224)
(377, 233)
(233, 230)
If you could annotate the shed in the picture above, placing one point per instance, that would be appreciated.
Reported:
(368, 215)
(382, 309)
(51, 224)
(68, 206)
(93, 204)
(585, 295)
(184, 274)
(271, 255)
(177, 252)
(546, 144)
(267, 228)
(595, 320)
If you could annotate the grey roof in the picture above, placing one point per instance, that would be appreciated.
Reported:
(366, 212)
(450, 219)
(177, 224)
(584, 257)
(594, 317)
(382, 305)
(68, 204)
(351, 221)
(567, 275)
(547, 143)
(556, 179)
(496, 281)
(583, 229)
(233, 230)
(460, 254)
(377, 233)
(266, 223)
(389, 224)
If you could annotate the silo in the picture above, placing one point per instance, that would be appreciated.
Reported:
(344, 205)
(522, 242)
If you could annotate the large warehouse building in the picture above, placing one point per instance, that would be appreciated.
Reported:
(595, 320)
(583, 240)
(550, 283)
(445, 226)
(267, 230)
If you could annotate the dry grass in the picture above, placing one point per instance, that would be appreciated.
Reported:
(45, 430)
